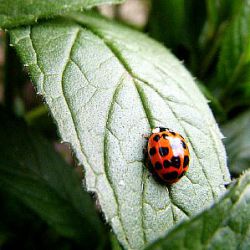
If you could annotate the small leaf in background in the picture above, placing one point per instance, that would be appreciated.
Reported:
(235, 52)
(237, 133)
(35, 174)
(218, 11)
(241, 91)
(178, 23)
(224, 226)
(114, 243)
(107, 85)
(213, 101)
(18, 12)
(218, 14)
(21, 228)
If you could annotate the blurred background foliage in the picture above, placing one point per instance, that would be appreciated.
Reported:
(211, 37)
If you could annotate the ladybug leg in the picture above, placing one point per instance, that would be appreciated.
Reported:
(148, 164)
(145, 150)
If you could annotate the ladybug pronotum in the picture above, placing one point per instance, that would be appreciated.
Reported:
(167, 155)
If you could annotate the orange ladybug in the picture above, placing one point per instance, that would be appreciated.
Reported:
(167, 154)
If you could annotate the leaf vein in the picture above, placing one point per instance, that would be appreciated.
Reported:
(105, 155)
(36, 60)
(67, 102)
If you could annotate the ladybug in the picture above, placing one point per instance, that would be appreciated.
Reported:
(167, 155)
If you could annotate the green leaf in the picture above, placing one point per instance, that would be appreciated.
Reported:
(177, 23)
(241, 90)
(218, 11)
(224, 226)
(235, 51)
(20, 226)
(114, 242)
(32, 171)
(18, 12)
(173, 21)
(106, 86)
(237, 142)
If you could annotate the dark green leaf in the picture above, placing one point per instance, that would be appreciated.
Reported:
(244, 79)
(224, 226)
(21, 228)
(242, 92)
(213, 102)
(18, 12)
(235, 51)
(33, 172)
(237, 142)
(114, 242)
(177, 23)
(107, 85)
(218, 11)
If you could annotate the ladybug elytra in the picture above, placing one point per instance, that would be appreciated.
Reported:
(167, 154)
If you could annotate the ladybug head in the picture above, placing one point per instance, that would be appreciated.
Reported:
(159, 129)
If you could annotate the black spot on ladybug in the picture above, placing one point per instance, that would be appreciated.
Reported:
(176, 162)
(152, 151)
(186, 160)
(183, 173)
(170, 176)
(183, 144)
(166, 164)
(163, 151)
(162, 129)
(165, 136)
(158, 165)
(156, 138)
(173, 133)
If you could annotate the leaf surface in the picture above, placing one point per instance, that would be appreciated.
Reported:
(106, 86)
(31, 170)
(18, 12)
(224, 226)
